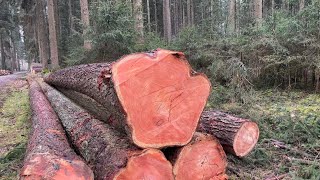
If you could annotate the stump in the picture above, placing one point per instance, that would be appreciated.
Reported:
(49, 156)
(237, 135)
(104, 149)
(202, 158)
(155, 97)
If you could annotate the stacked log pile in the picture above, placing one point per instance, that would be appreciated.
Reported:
(121, 116)
(4, 72)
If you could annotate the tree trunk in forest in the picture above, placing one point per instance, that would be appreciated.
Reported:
(189, 12)
(237, 136)
(49, 156)
(317, 76)
(157, 83)
(156, 16)
(138, 19)
(42, 34)
(301, 5)
(192, 13)
(272, 7)
(202, 158)
(167, 20)
(258, 6)
(104, 148)
(53, 35)
(13, 53)
(3, 56)
(149, 15)
(71, 22)
(86, 23)
(232, 17)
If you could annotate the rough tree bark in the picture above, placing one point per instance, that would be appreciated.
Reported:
(153, 96)
(237, 136)
(49, 155)
(53, 35)
(86, 23)
(105, 149)
(202, 158)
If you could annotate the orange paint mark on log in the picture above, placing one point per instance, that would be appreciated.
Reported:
(150, 165)
(202, 159)
(162, 98)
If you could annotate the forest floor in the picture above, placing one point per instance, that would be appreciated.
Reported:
(14, 123)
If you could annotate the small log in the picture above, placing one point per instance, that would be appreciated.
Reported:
(202, 158)
(105, 149)
(49, 155)
(237, 135)
(155, 97)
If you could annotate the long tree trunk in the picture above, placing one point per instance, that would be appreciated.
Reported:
(104, 148)
(138, 18)
(237, 136)
(167, 20)
(202, 158)
(154, 87)
(232, 17)
(43, 34)
(3, 56)
(53, 35)
(258, 5)
(49, 156)
(86, 23)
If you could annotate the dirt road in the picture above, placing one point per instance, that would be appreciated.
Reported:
(4, 80)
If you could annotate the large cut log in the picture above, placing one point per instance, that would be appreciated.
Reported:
(104, 148)
(237, 135)
(49, 155)
(155, 97)
(202, 158)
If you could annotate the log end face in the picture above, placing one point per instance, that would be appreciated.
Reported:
(203, 158)
(163, 100)
(246, 139)
(150, 164)
(51, 167)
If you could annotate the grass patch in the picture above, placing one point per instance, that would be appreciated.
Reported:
(14, 128)
(289, 141)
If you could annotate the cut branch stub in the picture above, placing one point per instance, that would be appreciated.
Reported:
(237, 135)
(49, 155)
(155, 97)
(202, 158)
